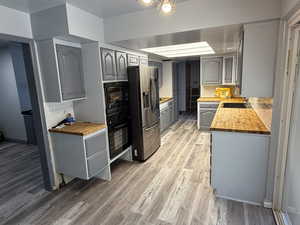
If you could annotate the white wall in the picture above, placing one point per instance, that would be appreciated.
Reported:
(259, 58)
(15, 23)
(189, 15)
(11, 119)
(166, 89)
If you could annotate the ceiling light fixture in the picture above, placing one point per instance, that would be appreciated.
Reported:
(146, 2)
(181, 50)
(164, 6)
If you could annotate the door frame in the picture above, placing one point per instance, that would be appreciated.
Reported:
(291, 54)
(37, 98)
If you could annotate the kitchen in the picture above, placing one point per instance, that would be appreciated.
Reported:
(169, 125)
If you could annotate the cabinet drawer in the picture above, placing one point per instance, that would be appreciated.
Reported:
(97, 163)
(95, 144)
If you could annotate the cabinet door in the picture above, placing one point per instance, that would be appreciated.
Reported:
(133, 60)
(229, 70)
(171, 112)
(70, 72)
(108, 64)
(143, 61)
(121, 59)
(211, 70)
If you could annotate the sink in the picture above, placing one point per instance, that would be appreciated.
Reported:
(236, 105)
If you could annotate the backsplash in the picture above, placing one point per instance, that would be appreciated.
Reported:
(263, 108)
(56, 112)
(209, 91)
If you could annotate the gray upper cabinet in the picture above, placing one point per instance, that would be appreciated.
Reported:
(108, 64)
(143, 61)
(133, 60)
(229, 70)
(62, 71)
(211, 70)
(71, 73)
(121, 60)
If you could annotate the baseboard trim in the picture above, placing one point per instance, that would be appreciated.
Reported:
(238, 200)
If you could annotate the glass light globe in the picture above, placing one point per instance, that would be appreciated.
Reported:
(166, 7)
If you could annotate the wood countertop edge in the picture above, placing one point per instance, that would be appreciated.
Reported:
(165, 100)
(217, 99)
(249, 131)
(240, 131)
(78, 133)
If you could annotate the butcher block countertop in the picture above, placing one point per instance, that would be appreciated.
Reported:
(79, 128)
(243, 120)
(164, 99)
(217, 99)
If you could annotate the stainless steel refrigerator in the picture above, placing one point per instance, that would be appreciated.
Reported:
(144, 110)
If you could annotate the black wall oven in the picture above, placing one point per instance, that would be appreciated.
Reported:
(116, 97)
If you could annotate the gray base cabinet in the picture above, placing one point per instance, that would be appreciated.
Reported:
(167, 115)
(81, 156)
(239, 166)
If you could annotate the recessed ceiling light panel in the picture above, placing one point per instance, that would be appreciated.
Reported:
(181, 50)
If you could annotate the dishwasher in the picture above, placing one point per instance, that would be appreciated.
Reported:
(206, 113)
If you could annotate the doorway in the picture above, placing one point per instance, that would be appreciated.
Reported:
(22, 141)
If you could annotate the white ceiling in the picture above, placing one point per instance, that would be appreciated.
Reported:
(101, 8)
(222, 39)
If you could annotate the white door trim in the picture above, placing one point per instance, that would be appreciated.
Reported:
(291, 60)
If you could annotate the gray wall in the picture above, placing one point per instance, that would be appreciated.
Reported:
(11, 119)
(20, 74)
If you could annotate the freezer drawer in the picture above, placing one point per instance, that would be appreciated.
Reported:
(151, 137)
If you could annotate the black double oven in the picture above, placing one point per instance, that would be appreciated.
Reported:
(117, 116)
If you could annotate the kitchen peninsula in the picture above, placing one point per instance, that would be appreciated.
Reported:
(240, 145)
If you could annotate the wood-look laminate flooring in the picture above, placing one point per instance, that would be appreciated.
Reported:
(171, 188)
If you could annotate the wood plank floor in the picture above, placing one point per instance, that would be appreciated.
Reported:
(171, 188)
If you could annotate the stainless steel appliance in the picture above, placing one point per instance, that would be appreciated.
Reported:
(206, 111)
(117, 113)
(144, 110)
